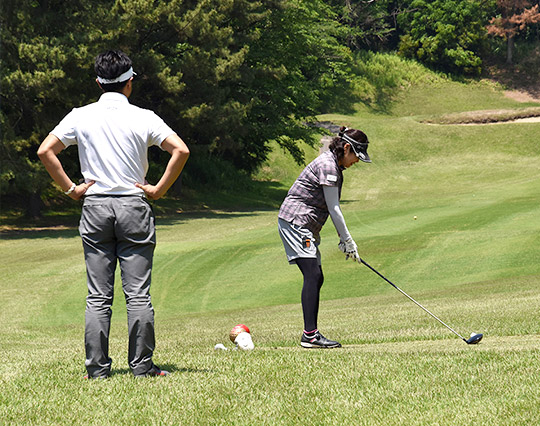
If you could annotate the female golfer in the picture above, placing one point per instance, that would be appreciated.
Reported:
(314, 196)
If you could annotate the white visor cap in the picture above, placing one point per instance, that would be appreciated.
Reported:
(123, 77)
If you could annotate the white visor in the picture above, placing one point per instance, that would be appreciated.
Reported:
(359, 148)
(126, 76)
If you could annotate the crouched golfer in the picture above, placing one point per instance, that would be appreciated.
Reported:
(312, 197)
(117, 223)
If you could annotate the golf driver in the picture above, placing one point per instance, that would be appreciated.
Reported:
(473, 340)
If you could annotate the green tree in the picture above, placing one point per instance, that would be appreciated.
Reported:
(448, 35)
(42, 60)
(369, 24)
(235, 74)
(228, 75)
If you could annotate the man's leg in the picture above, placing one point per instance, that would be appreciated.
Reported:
(135, 231)
(96, 229)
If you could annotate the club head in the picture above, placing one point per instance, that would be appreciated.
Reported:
(474, 339)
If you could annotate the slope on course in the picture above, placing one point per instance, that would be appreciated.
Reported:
(471, 256)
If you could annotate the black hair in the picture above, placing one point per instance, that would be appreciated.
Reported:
(111, 64)
(338, 143)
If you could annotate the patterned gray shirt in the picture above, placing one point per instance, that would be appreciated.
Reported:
(304, 204)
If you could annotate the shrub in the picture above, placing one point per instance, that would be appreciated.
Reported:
(448, 35)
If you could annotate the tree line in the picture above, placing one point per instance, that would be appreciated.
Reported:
(228, 75)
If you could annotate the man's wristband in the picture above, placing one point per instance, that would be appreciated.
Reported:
(71, 189)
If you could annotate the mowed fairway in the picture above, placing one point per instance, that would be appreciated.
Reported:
(471, 256)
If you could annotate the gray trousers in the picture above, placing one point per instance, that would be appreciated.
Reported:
(118, 229)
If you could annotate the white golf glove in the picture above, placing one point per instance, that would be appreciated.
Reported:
(350, 249)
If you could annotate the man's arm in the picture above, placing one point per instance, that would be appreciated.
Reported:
(48, 154)
(179, 155)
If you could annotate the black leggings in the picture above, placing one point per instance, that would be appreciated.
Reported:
(313, 281)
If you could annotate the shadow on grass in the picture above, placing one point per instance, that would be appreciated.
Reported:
(39, 231)
(171, 368)
(260, 196)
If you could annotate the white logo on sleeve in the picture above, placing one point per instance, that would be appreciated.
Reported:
(331, 178)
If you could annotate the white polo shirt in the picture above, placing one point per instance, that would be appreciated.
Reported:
(113, 137)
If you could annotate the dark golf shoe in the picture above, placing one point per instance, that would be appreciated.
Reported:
(101, 377)
(154, 372)
(318, 341)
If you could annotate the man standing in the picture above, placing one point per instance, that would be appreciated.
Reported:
(117, 222)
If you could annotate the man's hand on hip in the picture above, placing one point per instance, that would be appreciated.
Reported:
(80, 190)
(151, 191)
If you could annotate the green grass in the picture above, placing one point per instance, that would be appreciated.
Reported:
(471, 257)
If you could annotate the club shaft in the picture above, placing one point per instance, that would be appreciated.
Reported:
(409, 297)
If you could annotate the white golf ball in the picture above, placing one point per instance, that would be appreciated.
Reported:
(415, 217)
(220, 347)
(473, 334)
